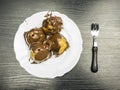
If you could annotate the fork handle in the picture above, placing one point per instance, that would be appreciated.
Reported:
(94, 65)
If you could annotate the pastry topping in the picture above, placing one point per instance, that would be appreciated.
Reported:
(34, 35)
(59, 44)
(39, 52)
(44, 41)
(52, 24)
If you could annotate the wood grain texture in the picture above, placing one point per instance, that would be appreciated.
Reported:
(83, 12)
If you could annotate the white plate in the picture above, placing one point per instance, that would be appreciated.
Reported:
(53, 67)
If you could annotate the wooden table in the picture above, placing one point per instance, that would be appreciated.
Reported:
(83, 13)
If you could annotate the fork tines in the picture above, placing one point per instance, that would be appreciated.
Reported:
(94, 26)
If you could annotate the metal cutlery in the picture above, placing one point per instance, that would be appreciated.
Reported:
(94, 33)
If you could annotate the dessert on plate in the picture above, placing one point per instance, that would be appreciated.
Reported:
(46, 41)
(55, 54)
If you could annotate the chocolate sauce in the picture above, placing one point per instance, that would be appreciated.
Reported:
(44, 41)
(40, 52)
(34, 35)
(52, 25)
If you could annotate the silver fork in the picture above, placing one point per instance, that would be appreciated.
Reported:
(94, 32)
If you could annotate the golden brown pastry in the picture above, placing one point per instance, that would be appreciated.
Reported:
(39, 52)
(52, 24)
(44, 41)
(34, 35)
(59, 44)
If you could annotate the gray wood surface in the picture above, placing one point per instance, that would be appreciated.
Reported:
(83, 13)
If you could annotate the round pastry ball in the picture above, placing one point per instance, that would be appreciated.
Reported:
(34, 35)
(52, 25)
(39, 52)
(59, 44)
